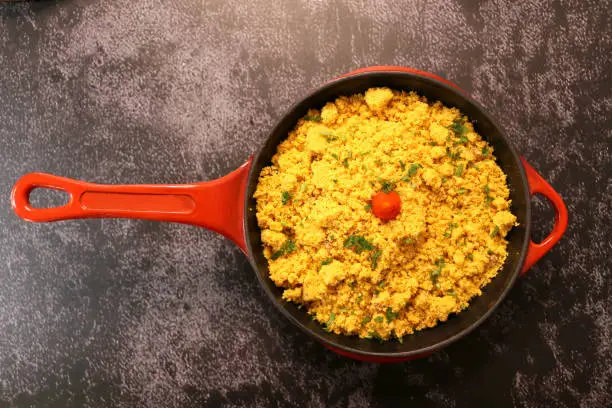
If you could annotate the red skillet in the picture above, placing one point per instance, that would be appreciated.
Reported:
(226, 206)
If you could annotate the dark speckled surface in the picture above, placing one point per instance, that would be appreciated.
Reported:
(124, 313)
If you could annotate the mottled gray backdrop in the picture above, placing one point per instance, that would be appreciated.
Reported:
(124, 313)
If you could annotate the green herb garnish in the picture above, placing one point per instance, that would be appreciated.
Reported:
(495, 231)
(313, 118)
(374, 258)
(449, 231)
(412, 170)
(287, 248)
(379, 319)
(329, 136)
(488, 197)
(452, 155)
(435, 274)
(458, 127)
(358, 243)
(353, 284)
(335, 156)
(459, 170)
(366, 320)
(462, 139)
(470, 257)
(367, 207)
(409, 241)
(381, 284)
(332, 317)
(345, 162)
(452, 293)
(286, 197)
(344, 310)
(335, 181)
(387, 186)
(461, 191)
(327, 261)
(402, 165)
(391, 315)
(489, 252)
(485, 150)
(359, 298)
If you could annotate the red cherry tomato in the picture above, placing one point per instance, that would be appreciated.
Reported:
(386, 206)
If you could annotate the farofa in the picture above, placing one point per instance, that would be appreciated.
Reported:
(355, 273)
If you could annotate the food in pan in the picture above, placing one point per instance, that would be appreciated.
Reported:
(383, 213)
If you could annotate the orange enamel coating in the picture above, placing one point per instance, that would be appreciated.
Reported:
(537, 185)
(217, 205)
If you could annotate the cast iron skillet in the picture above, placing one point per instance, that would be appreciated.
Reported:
(227, 206)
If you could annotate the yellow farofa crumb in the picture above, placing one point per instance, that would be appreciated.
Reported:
(354, 273)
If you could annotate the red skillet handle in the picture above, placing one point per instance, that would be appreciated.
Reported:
(217, 205)
(537, 185)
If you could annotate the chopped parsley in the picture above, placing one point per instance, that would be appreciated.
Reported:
(313, 118)
(335, 156)
(443, 179)
(379, 319)
(329, 136)
(353, 284)
(459, 170)
(458, 127)
(345, 162)
(435, 274)
(489, 252)
(381, 284)
(470, 257)
(367, 207)
(449, 231)
(327, 261)
(488, 197)
(287, 248)
(387, 186)
(495, 231)
(462, 139)
(335, 181)
(391, 315)
(453, 155)
(461, 191)
(332, 317)
(485, 150)
(286, 197)
(374, 258)
(366, 320)
(452, 293)
(409, 241)
(412, 170)
(358, 243)
(402, 165)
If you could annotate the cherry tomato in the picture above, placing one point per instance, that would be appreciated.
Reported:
(386, 206)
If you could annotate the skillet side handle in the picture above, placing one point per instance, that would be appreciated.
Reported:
(217, 205)
(537, 185)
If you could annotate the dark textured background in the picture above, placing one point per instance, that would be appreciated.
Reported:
(126, 313)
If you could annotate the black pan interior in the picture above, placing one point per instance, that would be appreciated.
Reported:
(480, 307)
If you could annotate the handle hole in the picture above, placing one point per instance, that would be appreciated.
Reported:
(543, 215)
(41, 197)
